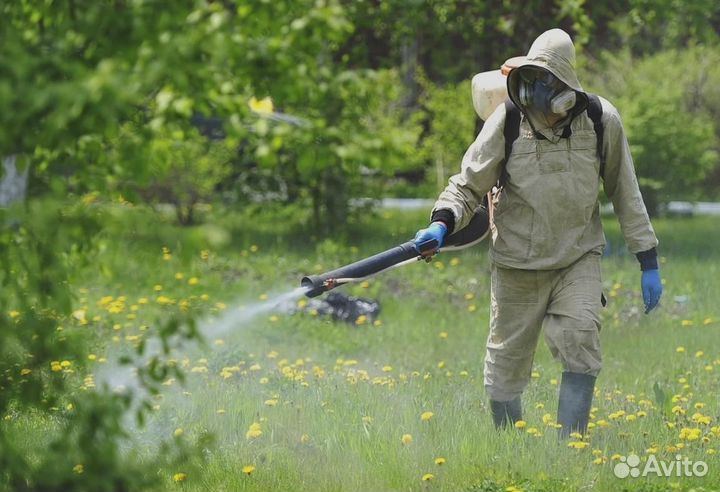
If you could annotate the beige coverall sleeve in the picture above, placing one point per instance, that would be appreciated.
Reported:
(479, 172)
(621, 186)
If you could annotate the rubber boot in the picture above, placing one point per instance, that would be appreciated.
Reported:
(506, 413)
(576, 394)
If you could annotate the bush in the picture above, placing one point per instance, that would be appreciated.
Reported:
(669, 104)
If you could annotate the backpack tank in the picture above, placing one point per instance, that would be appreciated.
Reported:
(489, 89)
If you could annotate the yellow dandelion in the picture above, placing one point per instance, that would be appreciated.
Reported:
(178, 432)
(25, 372)
(179, 477)
(680, 349)
(443, 335)
(426, 416)
(254, 431)
(686, 322)
(79, 468)
(678, 410)
(193, 281)
(578, 444)
(440, 461)
(79, 314)
(520, 424)
(406, 439)
(427, 477)
(261, 106)
(248, 469)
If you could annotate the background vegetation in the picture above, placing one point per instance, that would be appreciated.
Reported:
(165, 142)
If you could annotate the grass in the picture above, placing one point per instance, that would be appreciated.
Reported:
(332, 401)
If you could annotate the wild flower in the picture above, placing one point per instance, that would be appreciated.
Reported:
(254, 431)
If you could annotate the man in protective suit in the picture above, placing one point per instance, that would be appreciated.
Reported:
(547, 236)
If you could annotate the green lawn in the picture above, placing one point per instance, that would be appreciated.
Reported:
(297, 402)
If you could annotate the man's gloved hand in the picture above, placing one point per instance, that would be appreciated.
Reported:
(435, 231)
(651, 289)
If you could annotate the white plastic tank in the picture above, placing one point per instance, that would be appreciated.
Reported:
(489, 89)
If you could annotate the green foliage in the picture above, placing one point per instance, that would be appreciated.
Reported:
(184, 169)
(43, 350)
(668, 103)
(451, 128)
(649, 25)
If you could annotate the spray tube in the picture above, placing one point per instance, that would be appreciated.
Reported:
(398, 256)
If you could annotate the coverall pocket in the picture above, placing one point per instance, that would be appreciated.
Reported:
(511, 286)
(582, 350)
(514, 226)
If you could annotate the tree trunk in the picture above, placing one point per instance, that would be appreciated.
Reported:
(335, 201)
(13, 185)
(410, 50)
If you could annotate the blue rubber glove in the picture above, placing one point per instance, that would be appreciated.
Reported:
(436, 231)
(651, 289)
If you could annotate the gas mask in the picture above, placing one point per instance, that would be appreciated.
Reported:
(541, 91)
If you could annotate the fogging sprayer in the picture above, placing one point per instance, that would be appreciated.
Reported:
(403, 254)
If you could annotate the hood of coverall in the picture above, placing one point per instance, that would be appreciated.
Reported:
(554, 51)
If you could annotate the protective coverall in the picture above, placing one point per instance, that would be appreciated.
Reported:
(547, 237)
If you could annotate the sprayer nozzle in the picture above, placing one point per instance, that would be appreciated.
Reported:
(314, 286)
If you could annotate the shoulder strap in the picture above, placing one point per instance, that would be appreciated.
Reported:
(595, 112)
(511, 131)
